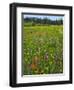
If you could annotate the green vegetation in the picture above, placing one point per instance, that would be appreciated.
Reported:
(42, 49)
(32, 21)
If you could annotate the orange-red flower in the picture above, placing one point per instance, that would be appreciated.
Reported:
(33, 66)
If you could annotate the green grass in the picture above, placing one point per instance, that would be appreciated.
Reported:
(42, 49)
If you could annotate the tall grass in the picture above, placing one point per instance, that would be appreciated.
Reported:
(42, 49)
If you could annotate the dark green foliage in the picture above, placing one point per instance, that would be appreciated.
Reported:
(38, 21)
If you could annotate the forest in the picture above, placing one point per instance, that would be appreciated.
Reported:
(32, 21)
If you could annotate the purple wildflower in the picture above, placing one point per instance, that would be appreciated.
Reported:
(46, 56)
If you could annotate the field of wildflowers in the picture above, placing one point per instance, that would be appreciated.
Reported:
(42, 49)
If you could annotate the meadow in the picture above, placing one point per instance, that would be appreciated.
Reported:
(42, 49)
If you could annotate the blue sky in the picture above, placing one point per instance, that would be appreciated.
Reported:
(52, 17)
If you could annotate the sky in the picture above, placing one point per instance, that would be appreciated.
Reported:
(52, 17)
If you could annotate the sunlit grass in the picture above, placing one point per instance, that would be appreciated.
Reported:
(42, 49)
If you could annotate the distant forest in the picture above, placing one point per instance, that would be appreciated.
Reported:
(32, 21)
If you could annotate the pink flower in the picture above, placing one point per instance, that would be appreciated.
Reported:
(46, 56)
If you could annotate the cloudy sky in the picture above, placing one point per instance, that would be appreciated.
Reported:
(52, 17)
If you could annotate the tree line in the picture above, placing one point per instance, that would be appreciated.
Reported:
(41, 21)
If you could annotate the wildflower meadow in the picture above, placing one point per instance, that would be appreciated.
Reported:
(42, 47)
